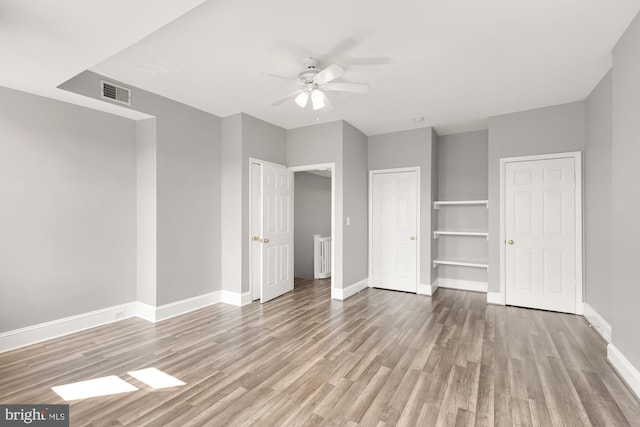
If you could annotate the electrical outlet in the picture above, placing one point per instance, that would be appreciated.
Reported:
(119, 314)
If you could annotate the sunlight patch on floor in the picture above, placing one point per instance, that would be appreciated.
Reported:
(93, 388)
(155, 378)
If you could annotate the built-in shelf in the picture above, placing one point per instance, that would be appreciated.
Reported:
(437, 234)
(473, 234)
(437, 205)
(437, 262)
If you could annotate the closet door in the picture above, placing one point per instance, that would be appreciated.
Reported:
(540, 246)
(394, 219)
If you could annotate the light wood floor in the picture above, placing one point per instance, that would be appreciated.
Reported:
(379, 358)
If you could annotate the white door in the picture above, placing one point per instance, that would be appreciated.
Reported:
(540, 232)
(277, 232)
(394, 219)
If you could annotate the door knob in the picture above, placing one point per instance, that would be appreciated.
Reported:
(256, 239)
(412, 238)
(266, 240)
(510, 242)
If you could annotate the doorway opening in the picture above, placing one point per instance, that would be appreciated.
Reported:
(314, 214)
(312, 229)
(257, 247)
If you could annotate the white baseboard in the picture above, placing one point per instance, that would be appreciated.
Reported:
(177, 308)
(598, 323)
(57, 328)
(351, 290)
(146, 312)
(462, 285)
(625, 369)
(235, 298)
(495, 298)
(429, 290)
(246, 298)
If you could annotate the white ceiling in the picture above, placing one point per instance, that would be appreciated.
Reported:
(453, 62)
(44, 43)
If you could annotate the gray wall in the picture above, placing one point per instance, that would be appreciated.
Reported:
(323, 143)
(312, 207)
(356, 205)
(188, 191)
(188, 168)
(67, 210)
(462, 166)
(147, 200)
(410, 149)
(626, 193)
(556, 129)
(462, 175)
(597, 200)
(231, 203)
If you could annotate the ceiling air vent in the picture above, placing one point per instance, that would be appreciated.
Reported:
(116, 93)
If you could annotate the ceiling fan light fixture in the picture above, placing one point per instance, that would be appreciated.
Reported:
(302, 99)
(317, 99)
(314, 82)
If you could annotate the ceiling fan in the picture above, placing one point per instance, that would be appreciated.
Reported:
(315, 82)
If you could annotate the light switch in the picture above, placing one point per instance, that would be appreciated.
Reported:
(348, 220)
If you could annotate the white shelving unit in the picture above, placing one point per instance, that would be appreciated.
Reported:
(437, 205)
(438, 233)
(437, 262)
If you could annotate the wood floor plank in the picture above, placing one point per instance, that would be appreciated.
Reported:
(520, 412)
(485, 404)
(380, 358)
(413, 405)
(304, 412)
(539, 413)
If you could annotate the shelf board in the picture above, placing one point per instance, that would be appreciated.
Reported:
(436, 205)
(437, 262)
(439, 233)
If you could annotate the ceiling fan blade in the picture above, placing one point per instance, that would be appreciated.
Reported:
(347, 87)
(343, 47)
(286, 98)
(332, 72)
(284, 78)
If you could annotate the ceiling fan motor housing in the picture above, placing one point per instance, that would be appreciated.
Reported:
(307, 75)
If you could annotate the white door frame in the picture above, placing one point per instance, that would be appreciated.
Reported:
(372, 172)
(332, 168)
(251, 233)
(577, 157)
(253, 287)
